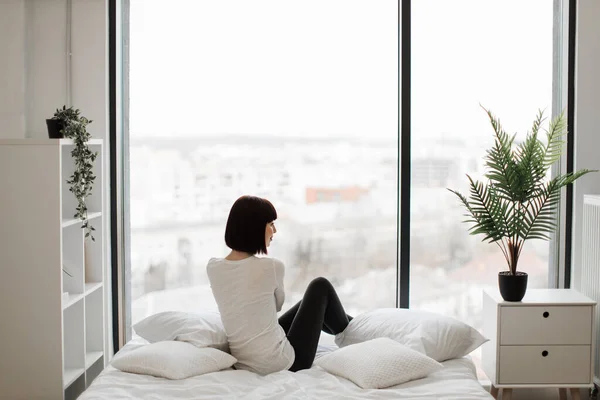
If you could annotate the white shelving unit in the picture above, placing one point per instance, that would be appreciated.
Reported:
(52, 344)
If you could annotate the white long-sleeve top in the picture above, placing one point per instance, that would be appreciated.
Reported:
(249, 293)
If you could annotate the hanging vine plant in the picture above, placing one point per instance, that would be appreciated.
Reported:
(74, 126)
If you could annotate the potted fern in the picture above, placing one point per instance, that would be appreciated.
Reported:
(518, 202)
(69, 123)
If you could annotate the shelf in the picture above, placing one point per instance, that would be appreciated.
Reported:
(70, 375)
(92, 287)
(73, 221)
(91, 357)
(45, 142)
(73, 298)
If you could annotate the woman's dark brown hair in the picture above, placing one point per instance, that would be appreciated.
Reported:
(248, 218)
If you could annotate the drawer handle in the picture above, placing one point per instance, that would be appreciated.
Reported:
(544, 353)
(546, 314)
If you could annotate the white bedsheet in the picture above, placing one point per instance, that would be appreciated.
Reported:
(457, 381)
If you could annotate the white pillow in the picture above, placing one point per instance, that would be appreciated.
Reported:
(201, 330)
(439, 337)
(173, 360)
(378, 363)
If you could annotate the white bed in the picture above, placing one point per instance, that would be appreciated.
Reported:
(456, 381)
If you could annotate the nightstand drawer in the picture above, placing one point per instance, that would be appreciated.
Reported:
(535, 325)
(544, 364)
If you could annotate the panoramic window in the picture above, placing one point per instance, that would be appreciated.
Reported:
(467, 55)
(293, 101)
(298, 102)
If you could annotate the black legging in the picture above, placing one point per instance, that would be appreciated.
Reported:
(319, 309)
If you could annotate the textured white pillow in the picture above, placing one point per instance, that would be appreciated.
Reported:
(439, 337)
(378, 363)
(201, 330)
(173, 360)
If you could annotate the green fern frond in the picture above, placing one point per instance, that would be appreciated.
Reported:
(554, 144)
(530, 161)
(499, 161)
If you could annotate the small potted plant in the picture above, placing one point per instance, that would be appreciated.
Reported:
(69, 123)
(518, 202)
(61, 117)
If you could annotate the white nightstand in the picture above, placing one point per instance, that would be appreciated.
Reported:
(543, 341)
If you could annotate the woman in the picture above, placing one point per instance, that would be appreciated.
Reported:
(249, 293)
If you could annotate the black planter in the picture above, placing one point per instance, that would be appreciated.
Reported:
(54, 128)
(512, 287)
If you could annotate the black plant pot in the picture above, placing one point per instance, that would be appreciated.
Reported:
(512, 287)
(54, 128)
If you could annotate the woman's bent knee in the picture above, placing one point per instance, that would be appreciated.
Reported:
(320, 282)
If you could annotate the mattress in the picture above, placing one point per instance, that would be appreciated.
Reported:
(456, 381)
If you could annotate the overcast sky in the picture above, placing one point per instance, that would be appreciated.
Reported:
(330, 67)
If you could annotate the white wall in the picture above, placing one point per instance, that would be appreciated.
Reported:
(12, 68)
(89, 63)
(46, 63)
(587, 115)
(36, 74)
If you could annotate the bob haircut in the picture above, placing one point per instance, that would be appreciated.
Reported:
(248, 218)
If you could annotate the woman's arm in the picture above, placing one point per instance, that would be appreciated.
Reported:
(279, 290)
